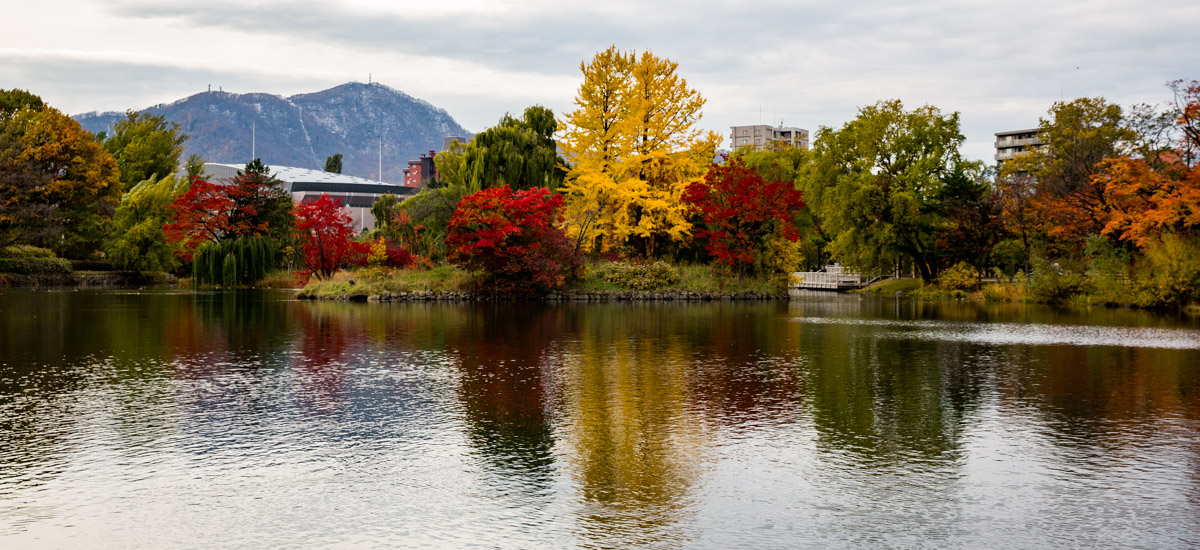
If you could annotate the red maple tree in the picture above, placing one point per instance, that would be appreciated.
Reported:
(207, 212)
(511, 238)
(740, 210)
(325, 233)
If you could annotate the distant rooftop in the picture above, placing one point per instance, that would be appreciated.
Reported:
(1010, 132)
(292, 174)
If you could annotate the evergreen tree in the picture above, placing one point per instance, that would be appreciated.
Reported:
(334, 163)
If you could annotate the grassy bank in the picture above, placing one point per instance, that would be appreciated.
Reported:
(621, 277)
(375, 282)
(600, 277)
(1058, 291)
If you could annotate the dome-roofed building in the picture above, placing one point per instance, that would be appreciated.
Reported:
(357, 194)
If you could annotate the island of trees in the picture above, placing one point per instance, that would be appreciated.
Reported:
(624, 193)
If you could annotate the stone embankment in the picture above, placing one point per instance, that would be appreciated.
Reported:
(570, 296)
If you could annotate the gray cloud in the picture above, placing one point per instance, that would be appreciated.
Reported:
(808, 63)
(76, 85)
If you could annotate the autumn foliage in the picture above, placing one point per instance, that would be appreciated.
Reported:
(511, 239)
(1143, 203)
(249, 206)
(325, 233)
(742, 212)
(204, 214)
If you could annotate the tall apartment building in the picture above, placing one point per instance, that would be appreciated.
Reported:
(1014, 143)
(762, 134)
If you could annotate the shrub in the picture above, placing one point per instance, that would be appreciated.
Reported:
(385, 252)
(25, 251)
(1110, 267)
(34, 265)
(639, 276)
(31, 259)
(92, 265)
(962, 276)
(1169, 274)
(1050, 286)
(511, 239)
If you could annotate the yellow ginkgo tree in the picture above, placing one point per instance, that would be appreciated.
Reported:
(632, 145)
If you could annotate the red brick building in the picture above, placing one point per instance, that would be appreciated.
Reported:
(420, 171)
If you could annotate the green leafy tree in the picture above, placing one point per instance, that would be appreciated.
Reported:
(145, 145)
(194, 168)
(422, 221)
(972, 223)
(265, 203)
(517, 152)
(14, 100)
(874, 183)
(383, 209)
(139, 242)
(334, 163)
(451, 165)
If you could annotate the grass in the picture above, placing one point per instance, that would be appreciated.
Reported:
(692, 278)
(889, 287)
(991, 292)
(374, 282)
(281, 279)
(448, 278)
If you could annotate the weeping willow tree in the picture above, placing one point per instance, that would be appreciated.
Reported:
(238, 262)
(517, 152)
(138, 242)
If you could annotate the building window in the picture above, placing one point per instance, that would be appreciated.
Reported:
(745, 132)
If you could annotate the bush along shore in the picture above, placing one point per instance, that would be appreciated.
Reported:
(24, 266)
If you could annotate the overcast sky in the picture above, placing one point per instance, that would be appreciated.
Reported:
(1000, 64)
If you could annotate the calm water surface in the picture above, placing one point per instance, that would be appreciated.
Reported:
(250, 420)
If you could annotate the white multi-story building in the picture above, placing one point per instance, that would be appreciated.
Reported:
(761, 135)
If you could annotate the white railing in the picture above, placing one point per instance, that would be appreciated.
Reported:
(833, 277)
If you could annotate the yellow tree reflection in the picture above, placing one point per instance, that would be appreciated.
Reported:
(634, 445)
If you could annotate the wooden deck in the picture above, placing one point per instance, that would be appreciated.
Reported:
(833, 277)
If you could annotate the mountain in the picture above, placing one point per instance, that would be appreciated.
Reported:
(304, 129)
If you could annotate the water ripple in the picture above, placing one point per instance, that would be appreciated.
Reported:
(1016, 333)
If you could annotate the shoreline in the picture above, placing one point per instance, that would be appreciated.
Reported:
(564, 296)
(84, 279)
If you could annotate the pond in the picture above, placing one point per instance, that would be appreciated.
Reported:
(251, 420)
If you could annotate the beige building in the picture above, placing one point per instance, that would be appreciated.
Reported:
(1014, 143)
(761, 135)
